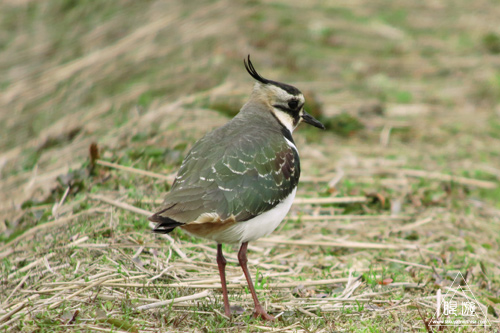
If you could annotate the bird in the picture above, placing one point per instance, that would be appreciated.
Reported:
(238, 182)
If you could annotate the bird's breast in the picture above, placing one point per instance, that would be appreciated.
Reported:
(254, 228)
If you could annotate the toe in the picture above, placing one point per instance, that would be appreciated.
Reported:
(260, 312)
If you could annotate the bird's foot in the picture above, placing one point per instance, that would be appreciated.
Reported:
(227, 312)
(260, 312)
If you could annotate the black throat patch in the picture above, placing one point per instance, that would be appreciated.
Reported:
(295, 114)
(284, 130)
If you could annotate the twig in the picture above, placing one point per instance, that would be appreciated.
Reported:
(385, 134)
(308, 283)
(17, 287)
(121, 205)
(348, 217)
(411, 173)
(203, 294)
(58, 205)
(208, 286)
(272, 329)
(13, 311)
(440, 177)
(426, 322)
(406, 263)
(355, 245)
(101, 329)
(169, 179)
(78, 241)
(221, 314)
(143, 212)
(33, 264)
(307, 313)
(98, 282)
(413, 225)
(334, 200)
(335, 180)
(55, 223)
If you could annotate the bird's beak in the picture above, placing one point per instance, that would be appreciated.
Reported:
(306, 117)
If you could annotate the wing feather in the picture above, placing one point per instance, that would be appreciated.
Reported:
(239, 178)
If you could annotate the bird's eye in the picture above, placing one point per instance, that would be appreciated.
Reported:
(292, 104)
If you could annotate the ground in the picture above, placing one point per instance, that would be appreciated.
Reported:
(101, 100)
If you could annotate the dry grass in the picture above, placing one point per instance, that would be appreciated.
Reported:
(384, 217)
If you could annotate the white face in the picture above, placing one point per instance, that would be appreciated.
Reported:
(286, 101)
(287, 108)
(288, 121)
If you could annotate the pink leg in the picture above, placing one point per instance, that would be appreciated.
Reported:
(259, 310)
(221, 261)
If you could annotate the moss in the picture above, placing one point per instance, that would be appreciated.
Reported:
(491, 42)
(344, 124)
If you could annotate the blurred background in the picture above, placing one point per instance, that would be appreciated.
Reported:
(415, 83)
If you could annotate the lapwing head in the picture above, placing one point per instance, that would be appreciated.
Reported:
(285, 101)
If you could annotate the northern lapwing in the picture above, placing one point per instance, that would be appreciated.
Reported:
(238, 182)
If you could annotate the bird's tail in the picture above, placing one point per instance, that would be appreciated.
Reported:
(165, 224)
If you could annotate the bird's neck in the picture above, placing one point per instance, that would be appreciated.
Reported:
(259, 112)
(284, 119)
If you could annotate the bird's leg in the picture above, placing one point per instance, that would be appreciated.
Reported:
(221, 261)
(259, 310)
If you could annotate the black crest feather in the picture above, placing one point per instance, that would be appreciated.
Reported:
(253, 72)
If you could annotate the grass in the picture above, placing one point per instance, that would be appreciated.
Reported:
(405, 86)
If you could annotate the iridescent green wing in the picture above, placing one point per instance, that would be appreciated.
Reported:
(255, 175)
(242, 178)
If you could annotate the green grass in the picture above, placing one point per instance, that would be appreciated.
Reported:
(147, 101)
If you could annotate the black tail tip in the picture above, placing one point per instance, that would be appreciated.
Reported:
(164, 225)
(162, 231)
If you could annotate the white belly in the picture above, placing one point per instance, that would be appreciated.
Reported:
(257, 227)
